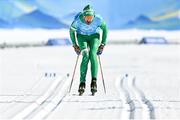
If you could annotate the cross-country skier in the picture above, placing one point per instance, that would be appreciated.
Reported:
(87, 26)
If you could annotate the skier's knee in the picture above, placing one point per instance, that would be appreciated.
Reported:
(85, 52)
(93, 54)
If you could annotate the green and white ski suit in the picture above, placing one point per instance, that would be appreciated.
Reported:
(88, 38)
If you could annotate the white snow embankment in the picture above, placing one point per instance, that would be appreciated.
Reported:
(135, 35)
(41, 36)
(19, 36)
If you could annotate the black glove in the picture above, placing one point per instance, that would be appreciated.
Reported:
(77, 49)
(100, 49)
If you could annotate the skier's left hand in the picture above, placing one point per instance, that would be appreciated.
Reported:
(100, 49)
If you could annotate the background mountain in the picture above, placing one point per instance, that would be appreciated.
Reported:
(37, 19)
(3, 24)
(144, 22)
(118, 14)
(142, 19)
(69, 17)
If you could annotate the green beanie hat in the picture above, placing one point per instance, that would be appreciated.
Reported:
(88, 11)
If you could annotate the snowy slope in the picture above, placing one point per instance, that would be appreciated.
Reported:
(150, 91)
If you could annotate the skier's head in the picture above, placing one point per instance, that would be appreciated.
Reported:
(88, 14)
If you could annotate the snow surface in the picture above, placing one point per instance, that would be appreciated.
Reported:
(34, 84)
(37, 36)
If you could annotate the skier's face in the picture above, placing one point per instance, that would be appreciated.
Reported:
(88, 19)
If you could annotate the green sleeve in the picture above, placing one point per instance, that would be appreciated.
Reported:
(105, 32)
(72, 36)
(73, 28)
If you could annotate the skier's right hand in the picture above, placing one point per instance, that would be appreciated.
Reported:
(77, 49)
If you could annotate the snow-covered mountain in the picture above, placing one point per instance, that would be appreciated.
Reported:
(118, 14)
(142, 19)
(38, 19)
(69, 17)
(144, 22)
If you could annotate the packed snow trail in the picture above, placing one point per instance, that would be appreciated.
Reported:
(122, 107)
(86, 106)
(46, 103)
(151, 86)
(143, 99)
(136, 105)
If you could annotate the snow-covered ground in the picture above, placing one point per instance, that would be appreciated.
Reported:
(41, 36)
(34, 83)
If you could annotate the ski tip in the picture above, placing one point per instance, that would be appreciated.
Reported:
(80, 94)
(93, 93)
(68, 74)
(126, 75)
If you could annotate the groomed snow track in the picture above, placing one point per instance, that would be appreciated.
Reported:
(132, 102)
(136, 105)
(45, 104)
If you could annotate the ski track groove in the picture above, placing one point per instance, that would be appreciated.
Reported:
(55, 101)
(124, 89)
(128, 99)
(133, 97)
(39, 104)
(24, 96)
(44, 101)
(44, 112)
(147, 102)
(60, 101)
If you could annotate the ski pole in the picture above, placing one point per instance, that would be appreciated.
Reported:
(102, 74)
(74, 73)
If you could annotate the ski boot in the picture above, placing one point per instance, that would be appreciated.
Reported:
(93, 86)
(81, 90)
